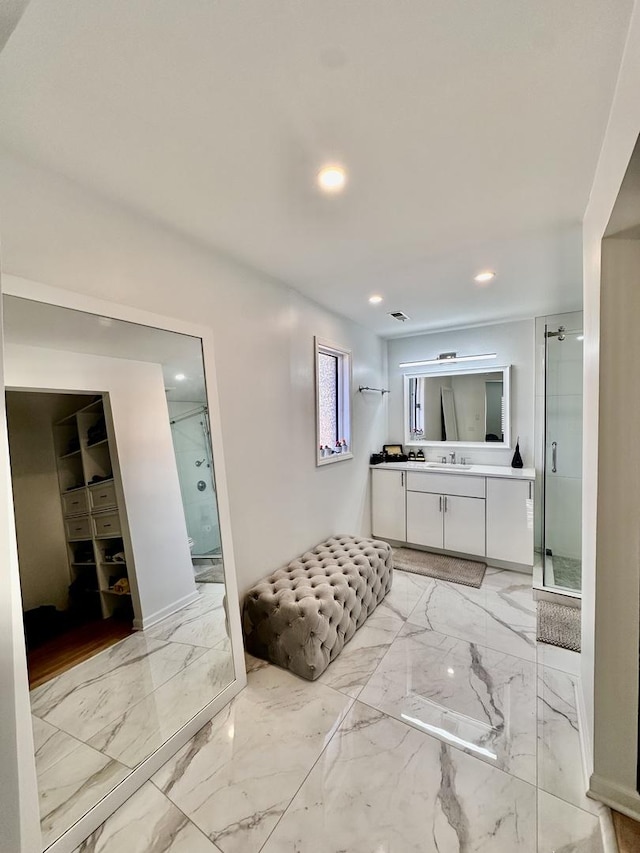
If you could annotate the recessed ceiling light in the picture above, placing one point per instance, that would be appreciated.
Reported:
(484, 277)
(180, 377)
(375, 300)
(332, 179)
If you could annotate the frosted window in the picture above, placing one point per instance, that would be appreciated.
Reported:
(328, 399)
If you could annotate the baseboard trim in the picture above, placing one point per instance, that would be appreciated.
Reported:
(169, 610)
(607, 829)
(618, 797)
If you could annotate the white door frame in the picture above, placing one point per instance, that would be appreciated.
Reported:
(19, 809)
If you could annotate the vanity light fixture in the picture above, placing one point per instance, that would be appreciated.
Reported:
(580, 338)
(375, 299)
(180, 377)
(484, 276)
(332, 179)
(448, 358)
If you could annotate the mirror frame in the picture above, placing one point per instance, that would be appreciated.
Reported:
(15, 671)
(460, 371)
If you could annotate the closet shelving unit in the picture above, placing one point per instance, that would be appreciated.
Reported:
(98, 554)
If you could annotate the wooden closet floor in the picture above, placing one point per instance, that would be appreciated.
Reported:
(72, 647)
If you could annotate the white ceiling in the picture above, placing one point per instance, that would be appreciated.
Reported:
(37, 324)
(470, 131)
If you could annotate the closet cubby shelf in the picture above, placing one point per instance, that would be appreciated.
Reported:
(72, 453)
(90, 506)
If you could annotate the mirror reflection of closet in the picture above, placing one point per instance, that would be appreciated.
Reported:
(119, 545)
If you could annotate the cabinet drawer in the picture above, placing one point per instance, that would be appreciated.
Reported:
(103, 495)
(75, 503)
(446, 484)
(107, 524)
(78, 528)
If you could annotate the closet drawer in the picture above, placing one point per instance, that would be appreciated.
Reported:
(446, 484)
(103, 495)
(75, 502)
(78, 528)
(107, 524)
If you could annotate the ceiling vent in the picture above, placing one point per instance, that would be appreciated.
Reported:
(398, 315)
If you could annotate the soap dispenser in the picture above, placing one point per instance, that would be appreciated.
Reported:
(420, 455)
(517, 462)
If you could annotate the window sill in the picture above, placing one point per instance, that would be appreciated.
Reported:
(337, 457)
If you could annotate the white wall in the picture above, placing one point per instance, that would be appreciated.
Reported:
(42, 549)
(622, 132)
(618, 531)
(513, 343)
(163, 578)
(281, 503)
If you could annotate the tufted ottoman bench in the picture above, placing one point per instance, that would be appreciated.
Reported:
(301, 616)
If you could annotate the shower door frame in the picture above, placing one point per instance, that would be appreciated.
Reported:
(552, 587)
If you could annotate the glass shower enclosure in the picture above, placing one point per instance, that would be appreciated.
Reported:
(562, 453)
(190, 432)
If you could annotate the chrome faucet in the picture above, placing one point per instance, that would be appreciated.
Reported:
(452, 457)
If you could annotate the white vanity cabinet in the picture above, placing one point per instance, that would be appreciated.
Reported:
(388, 504)
(446, 512)
(510, 520)
(486, 512)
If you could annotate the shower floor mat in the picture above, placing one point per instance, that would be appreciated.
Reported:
(559, 625)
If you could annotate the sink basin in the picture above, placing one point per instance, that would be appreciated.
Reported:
(448, 466)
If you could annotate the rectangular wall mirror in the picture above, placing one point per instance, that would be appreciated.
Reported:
(120, 552)
(465, 407)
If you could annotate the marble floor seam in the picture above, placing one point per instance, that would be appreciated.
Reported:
(186, 816)
(301, 785)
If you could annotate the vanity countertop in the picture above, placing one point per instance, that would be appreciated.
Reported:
(503, 471)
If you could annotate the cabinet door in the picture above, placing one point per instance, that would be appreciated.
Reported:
(388, 506)
(464, 525)
(510, 520)
(424, 519)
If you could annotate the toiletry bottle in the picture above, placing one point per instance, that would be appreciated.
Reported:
(338, 447)
(344, 446)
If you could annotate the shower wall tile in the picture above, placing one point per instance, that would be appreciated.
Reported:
(564, 516)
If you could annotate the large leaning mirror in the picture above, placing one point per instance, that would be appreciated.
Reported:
(120, 555)
(467, 406)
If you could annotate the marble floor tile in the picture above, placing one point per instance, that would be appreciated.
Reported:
(237, 776)
(200, 624)
(560, 769)
(499, 619)
(382, 786)
(351, 670)
(86, 698)
(476, 699)
(563, 828)
(145, 726)
(514, 586)
(147, 823)
(557, 658)
(68, 788)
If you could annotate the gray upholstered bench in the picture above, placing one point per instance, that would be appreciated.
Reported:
(301, 616)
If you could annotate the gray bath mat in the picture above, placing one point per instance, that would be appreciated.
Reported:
(439, 566)
(559, 625)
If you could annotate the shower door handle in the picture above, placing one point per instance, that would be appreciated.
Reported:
(554, 456)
